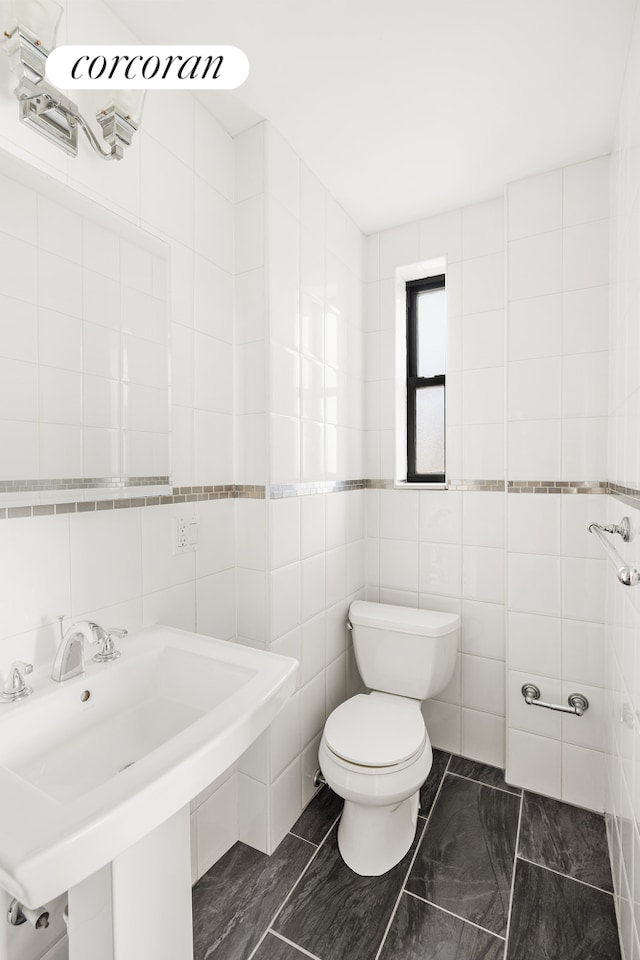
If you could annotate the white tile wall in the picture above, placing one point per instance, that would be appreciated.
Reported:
(619, 773)
(557, 397)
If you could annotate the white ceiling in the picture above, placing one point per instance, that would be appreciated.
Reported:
(405, 108)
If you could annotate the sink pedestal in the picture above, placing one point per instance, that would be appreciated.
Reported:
(140, 904)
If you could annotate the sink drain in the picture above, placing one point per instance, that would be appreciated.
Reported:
(126, 766)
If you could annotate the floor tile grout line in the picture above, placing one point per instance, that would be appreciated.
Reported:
(298, 837)
(281, 907)
(471, 923)
(296, 946)
(492, 786)
(413, 860)
(567, 876)
(399, 897)
(513, 877)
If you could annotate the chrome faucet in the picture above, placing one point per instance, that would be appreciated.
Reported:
(69, 660)
(14, 687)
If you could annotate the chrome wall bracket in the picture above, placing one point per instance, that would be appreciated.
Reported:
(578, 703)
(629, 576)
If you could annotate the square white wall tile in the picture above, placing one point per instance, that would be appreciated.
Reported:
(583, 589)
(440, 570)
(285, 592)
(483, 686)
(482, 451)
(252, 813)
(483, 629)
(399, 565)
(483, 737)
(534, 584)
(483, 519)
(535, 266)
(534, 450)
(585, 255)
(286, 802)
(586, 191)
(216, 605)
(284, 530)
(483, 283)
(444, 725)
(534, 523)
(535, 644)
(535, 763)
(483, 574)
(583, 652)
(584, 448)
(483, 228)
(399, 514)
(535, 389)
(585, 382)
(536, 327)
(585, 320)
(482, 396)
(583, 777)
(482, 340)
(398, 246)
(535, 205)
(113, 573)
(217, 825)
(440, 516)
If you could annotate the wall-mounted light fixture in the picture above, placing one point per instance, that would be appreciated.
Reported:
(30, 39)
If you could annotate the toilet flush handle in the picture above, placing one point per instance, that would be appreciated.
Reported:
(349, 624)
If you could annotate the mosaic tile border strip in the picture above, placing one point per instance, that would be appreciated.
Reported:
(80, 483)
(229, 491)
(279, 491)
(592, 487)
(513, 486)
(629, 495)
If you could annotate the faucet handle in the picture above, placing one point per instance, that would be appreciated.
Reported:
(15, 687)
(107, 651)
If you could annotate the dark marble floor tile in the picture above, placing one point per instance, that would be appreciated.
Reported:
(465, 861)
(493, 776)
(429, 788)
(234, 902)
(420, 931)
(557, 918)
(565, 838)
(273, 948)
(336, 914)
(317, 818)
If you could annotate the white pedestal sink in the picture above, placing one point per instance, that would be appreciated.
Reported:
(96, 776)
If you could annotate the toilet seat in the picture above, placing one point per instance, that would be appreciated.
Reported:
(376, 731)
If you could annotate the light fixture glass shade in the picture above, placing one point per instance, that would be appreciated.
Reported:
(129, 103)
(39, 18)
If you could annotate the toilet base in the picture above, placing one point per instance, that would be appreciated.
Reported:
(373, 839)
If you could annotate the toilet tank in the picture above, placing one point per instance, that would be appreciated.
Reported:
(402, 650)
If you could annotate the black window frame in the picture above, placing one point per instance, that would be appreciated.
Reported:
(414, 382)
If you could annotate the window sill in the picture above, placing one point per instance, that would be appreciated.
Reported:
(403, 485)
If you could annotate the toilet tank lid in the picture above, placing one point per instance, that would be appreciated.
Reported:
(386, 616)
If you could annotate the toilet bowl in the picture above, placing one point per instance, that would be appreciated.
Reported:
(375, 751)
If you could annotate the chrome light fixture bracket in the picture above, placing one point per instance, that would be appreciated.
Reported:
(52, 114)
(117, 130)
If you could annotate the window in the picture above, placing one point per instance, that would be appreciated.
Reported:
(426, 345)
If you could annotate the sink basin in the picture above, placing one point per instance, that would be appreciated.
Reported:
(91, 766)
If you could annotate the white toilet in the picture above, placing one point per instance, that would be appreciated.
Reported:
(375, 750)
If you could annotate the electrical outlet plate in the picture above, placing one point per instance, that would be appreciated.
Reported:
(185, 535)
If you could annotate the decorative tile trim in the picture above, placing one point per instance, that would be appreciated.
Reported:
(228, 491)
(80, 483)
(379, 484)
(278, 491)
(590, 487)
(629, 495)
(477, 486)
